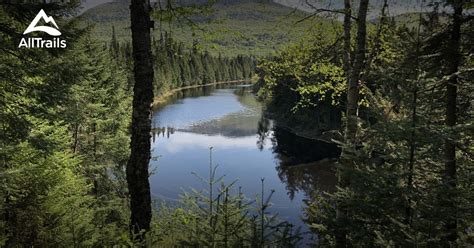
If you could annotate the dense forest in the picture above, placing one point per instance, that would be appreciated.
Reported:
(393, 93)
(406, 169)
(230, 28)
(178, 67)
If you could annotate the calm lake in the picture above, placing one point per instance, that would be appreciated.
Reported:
(246, 146)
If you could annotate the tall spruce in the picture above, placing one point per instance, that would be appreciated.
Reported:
(340, 214)
(137, 166)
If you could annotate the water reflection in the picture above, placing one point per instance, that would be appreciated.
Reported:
(304, 164)
(183, 140)
(157, 131)
(247, 146)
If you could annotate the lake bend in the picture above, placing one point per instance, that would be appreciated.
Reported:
(246, 146)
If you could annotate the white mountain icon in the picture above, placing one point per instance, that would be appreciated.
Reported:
(48, 19)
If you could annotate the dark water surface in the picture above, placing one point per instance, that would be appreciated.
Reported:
(246, 146)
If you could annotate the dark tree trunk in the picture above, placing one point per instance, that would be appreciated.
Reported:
(411, 159)
(341, 233)
(453, 59)
(347, 37)
(412, 141)
(354, 78)
(137, 166)
(75, 138)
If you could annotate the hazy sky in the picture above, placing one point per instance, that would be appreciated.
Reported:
(87, 4)
(395, 6)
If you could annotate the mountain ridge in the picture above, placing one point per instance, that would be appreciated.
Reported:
(234, 27)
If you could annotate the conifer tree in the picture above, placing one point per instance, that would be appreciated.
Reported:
(137, 166)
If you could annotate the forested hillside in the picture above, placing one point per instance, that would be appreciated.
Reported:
(228, 27)
(396, 7)
(177, 66)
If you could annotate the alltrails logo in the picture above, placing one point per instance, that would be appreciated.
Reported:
(40, 42)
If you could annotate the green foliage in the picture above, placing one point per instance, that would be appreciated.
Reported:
(249, 28)
(221, 217)
(398, 195)
(329, 82)
(36, 190)
(64, 119)
(305, 83)
(65, 114)
(178, 67)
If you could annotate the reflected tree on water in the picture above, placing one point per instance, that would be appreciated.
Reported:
(303, 164)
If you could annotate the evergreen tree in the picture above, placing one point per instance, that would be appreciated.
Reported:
(137, 166)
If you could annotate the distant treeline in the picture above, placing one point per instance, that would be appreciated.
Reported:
(177, 66)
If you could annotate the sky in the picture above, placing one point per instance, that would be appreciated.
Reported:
(87, 4)
(395, 6)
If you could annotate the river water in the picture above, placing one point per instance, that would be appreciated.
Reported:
(246, 147)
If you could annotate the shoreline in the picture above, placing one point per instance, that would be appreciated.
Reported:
(161, 99)
(328, 136)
